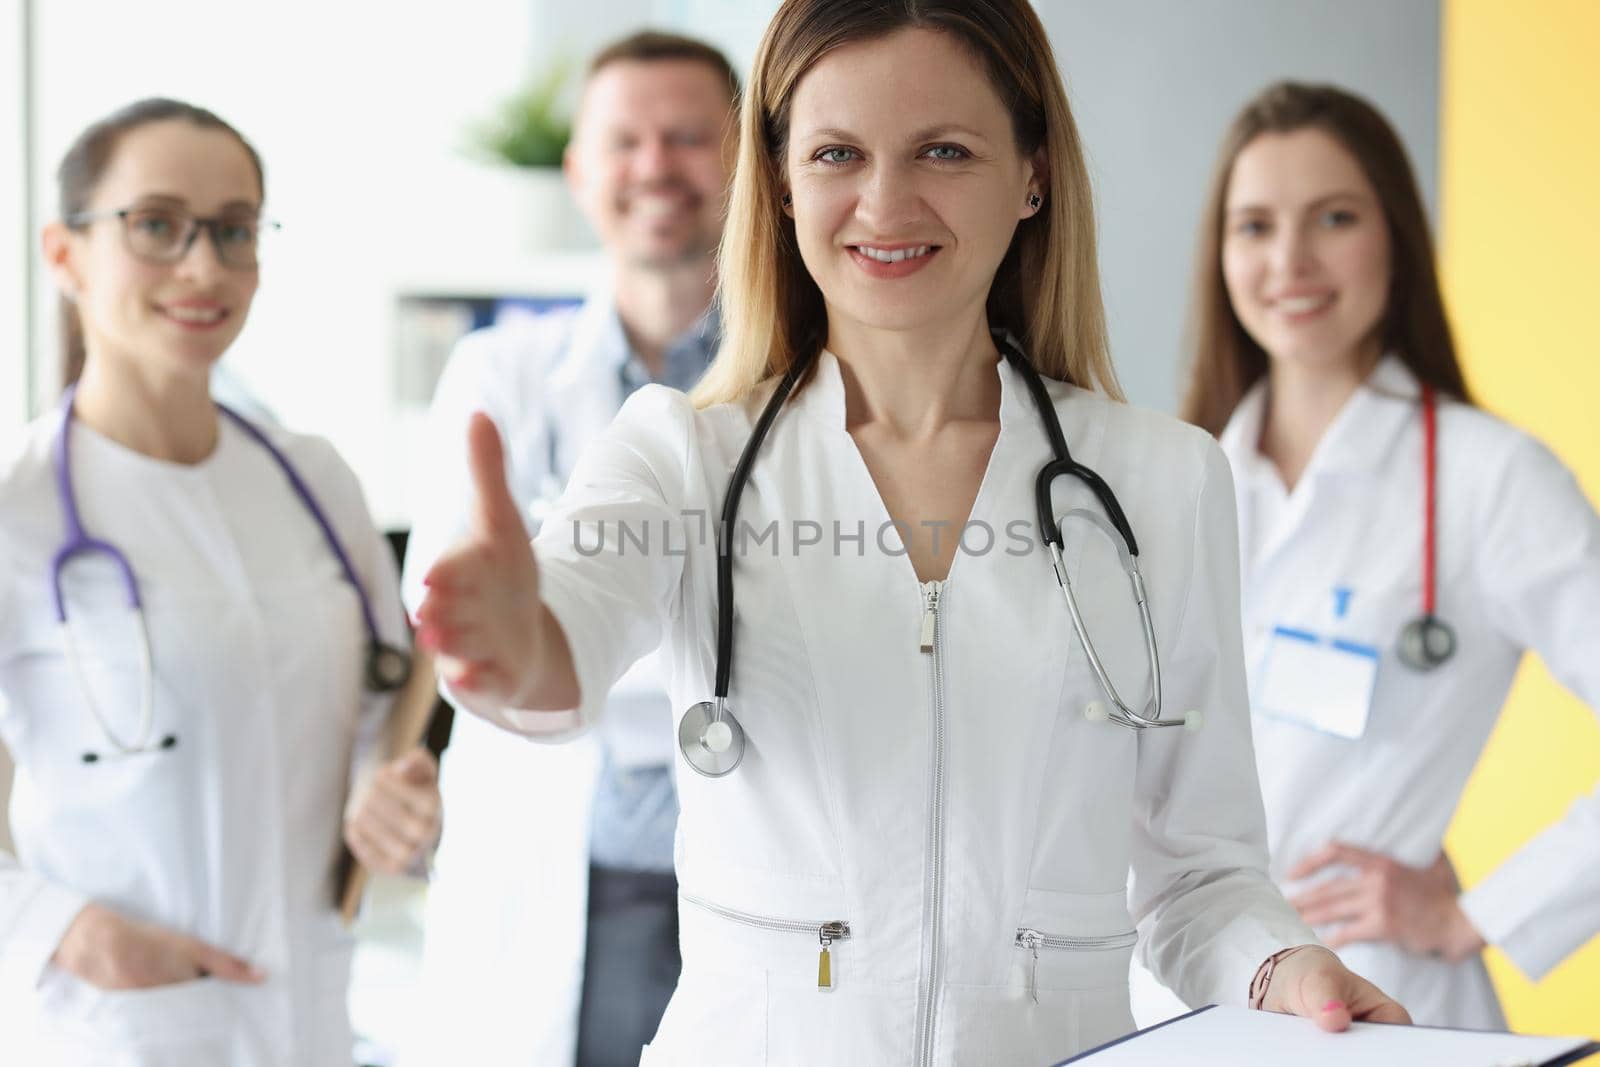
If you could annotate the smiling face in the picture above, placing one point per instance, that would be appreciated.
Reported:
(1306, 251)
(175, 318)
(650, 162)
(906, 188)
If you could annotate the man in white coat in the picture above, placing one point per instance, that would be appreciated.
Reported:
(562, 947)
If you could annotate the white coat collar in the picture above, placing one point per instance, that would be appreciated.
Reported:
(597, 346)
(1359, 438)
(583, 388)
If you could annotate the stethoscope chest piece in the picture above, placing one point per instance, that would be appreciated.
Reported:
(388, 667)
(1426, 642)
(712, 744)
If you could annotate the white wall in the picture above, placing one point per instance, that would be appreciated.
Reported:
(15, 244)
(1153, 85)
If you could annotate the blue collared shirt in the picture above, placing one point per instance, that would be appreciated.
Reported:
(636, 807)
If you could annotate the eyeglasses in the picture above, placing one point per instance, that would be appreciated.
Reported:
(164, 235)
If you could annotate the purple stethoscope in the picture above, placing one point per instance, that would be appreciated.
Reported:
(387, 666)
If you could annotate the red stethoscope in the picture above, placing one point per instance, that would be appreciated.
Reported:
(1428, 641)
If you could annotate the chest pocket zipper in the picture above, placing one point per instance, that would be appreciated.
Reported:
(1033, 941)
(826, 931)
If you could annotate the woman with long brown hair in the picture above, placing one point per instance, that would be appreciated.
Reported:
(921, 749)
(1401, 549)
(200, 637)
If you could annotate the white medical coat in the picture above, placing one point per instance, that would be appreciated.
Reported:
(1518, 568)
(506, 918)
(231, 836)
(938, 803)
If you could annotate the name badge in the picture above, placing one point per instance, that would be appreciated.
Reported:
(1324, 683)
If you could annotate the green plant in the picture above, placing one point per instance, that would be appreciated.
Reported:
(531, 128)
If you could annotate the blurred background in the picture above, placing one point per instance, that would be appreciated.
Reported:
(399, 235)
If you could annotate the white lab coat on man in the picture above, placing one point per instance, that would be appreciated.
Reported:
(506, 919)
(1518, 569)
(941, 803)
(231, 836)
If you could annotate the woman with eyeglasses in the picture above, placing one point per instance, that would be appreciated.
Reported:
(200, 636)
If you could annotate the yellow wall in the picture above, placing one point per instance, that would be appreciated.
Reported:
(1520, 238)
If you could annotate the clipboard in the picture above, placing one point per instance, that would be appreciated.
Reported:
(406, 728)
(1240, 1037)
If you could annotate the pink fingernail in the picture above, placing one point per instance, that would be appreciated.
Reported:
(1333, 1005)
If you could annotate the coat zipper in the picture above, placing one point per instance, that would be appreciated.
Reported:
(1033, 941)
(827, 930)
(932, 593)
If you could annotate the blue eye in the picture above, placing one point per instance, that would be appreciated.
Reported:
(946, 153)
(835, 156)
(155, 225)
(238, 233)
(1338, 217)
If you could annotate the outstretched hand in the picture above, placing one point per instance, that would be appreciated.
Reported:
(482, 616)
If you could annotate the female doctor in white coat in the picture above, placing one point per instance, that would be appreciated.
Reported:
(1401, 549)
(185, 713)
(908, 844)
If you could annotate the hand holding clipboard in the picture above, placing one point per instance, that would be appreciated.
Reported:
(394, 814)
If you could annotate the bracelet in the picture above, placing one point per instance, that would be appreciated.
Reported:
(1263, 978)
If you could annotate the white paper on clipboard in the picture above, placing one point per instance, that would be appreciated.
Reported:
(1238, 1037)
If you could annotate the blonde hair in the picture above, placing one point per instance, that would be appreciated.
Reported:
(1047, 288)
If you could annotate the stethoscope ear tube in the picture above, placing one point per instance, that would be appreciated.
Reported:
(385, 672)
(1108, 500)
(1428, 642)
(730, 513)
(387, 666)
(1063, 464)
(147, 686)
(709, 736)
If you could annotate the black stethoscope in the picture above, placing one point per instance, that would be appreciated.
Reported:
(387, 667)
(711, 739)
(1428, 641)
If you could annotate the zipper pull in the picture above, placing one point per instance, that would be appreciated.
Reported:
(930, 616)
(1029, 939)
(825, 935)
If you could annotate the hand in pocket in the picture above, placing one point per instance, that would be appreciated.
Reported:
(113, 952)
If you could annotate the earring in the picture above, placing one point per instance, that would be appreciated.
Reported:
(1034, 201)
(788, 200)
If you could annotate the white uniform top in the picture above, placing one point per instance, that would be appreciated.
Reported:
(1518, 568)
(231, 836)
(938, 802)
